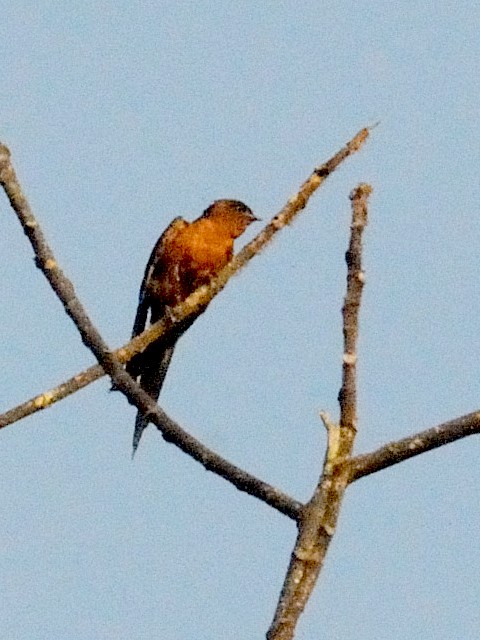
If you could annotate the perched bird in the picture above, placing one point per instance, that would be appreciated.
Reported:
(186, 256)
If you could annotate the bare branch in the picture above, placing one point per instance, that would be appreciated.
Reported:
(320, 515)
(82, 379)
(395, 452)
(48, 398)
(355, 281)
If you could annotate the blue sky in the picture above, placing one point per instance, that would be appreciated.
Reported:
(121, 116)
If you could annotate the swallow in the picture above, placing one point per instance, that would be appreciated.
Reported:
(186, 256)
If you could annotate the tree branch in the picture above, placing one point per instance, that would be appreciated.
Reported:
(395, 452)
(48, 398)
(320, 515)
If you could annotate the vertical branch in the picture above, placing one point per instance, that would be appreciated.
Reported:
(320, 515)
(355, 281)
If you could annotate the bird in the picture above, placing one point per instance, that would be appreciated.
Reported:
(186, 256)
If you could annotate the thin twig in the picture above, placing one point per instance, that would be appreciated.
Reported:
(320, 515)
(395, 452)
(83, 378)
(48, 398)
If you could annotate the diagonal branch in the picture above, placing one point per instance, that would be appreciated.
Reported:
(48, 398)
(195, 302)
(320, 515)
(395, 452)
(171, 431)
(83, 378)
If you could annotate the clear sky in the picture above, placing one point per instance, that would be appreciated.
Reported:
(121, 115)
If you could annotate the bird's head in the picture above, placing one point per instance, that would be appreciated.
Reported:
(232, 214)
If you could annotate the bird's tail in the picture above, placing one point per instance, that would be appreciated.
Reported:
(154, 370)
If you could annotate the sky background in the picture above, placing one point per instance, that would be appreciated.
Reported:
(122, 115)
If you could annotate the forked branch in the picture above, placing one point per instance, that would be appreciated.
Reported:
(319, 516)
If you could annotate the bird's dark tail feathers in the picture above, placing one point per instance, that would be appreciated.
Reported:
(154, 369)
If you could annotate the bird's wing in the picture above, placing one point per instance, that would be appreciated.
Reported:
(152, 365)
(157, 255)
